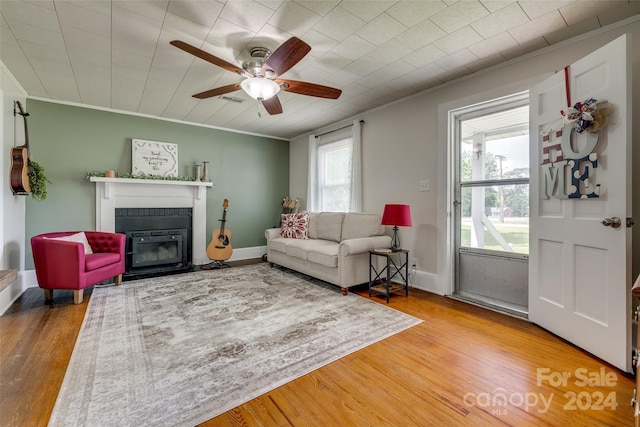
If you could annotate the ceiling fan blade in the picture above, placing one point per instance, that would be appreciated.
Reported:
(207, 56)
(272, 105)
(310, 89)
(285, 57)
(217, 91)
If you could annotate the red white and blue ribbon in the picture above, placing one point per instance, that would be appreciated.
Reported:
(580, 115)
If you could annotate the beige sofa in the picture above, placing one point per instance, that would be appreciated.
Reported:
(336, 250)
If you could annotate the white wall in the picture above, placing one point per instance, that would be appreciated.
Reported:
(12, 214)
(405, 142)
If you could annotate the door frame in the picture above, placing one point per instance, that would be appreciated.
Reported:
(456, 116)
(444, 282)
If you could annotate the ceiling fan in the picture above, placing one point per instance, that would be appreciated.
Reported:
(261, 74)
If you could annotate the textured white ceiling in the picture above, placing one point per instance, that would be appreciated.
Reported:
(116, 54)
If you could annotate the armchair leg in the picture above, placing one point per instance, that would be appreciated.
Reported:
(119, 280)
(48, 295)
(77, 296)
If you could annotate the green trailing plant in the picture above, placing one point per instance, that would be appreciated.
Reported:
(38, 180)
(131, 176)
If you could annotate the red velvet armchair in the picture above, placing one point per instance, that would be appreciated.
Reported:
(71, 265)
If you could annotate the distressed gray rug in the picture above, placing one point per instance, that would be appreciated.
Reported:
(179, 350)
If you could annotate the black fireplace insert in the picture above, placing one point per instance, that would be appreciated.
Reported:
(158, 240)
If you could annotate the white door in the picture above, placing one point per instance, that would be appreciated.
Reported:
(580, 269)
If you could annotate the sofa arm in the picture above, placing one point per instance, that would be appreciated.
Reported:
(272, 233)
(364, 244)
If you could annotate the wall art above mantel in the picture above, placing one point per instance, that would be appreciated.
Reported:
(154, 158)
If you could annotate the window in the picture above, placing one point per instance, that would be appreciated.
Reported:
(334, 175)
(493, 180)
(334, 171)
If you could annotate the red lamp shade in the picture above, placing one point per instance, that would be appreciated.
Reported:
(399, 215)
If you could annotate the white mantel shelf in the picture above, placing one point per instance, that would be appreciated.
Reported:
(149, 181)
(113, 193)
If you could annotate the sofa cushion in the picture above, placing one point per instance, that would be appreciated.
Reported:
(95, 261)
(296, 252)
(324, 255)
(278, 244)
(357, 225)
(294, 225)
(330, 225)
(313, 224)
(300, 248)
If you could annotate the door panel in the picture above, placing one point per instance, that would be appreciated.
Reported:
(479, 279)
(550, 285)
(579, 270)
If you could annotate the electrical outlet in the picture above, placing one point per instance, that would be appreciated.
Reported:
(424, 185)
(414, 263)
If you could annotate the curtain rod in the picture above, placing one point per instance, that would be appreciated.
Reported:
(336, 130)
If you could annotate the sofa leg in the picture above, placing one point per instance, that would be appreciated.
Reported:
(119, 280)
(344, 291)
(48, 295)
(78, 295)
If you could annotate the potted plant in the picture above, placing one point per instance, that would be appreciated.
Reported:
(38, 180)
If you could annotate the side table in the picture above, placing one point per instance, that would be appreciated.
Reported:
(380, 281)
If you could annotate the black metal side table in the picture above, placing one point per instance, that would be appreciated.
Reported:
(381, 283)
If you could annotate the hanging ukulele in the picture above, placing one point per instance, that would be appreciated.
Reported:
(219, 249)
(19, 175)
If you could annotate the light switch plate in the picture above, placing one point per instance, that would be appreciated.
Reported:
(424, 185)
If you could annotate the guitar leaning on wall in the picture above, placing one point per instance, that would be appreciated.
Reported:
(19, 175)
(220, 249)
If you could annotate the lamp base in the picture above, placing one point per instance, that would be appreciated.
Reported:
(395, 241)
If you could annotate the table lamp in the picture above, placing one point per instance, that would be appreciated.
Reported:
(396, 215)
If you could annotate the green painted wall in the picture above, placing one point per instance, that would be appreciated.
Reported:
(251, 171)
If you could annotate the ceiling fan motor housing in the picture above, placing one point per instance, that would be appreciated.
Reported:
(254, 65)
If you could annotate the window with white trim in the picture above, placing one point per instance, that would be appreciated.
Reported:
(334, 183)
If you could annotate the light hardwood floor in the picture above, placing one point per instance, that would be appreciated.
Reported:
(463, 365)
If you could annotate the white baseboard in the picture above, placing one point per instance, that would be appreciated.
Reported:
(26, 279)
(246, 253)
(425, 281)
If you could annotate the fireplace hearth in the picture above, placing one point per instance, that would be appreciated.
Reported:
(158, 240)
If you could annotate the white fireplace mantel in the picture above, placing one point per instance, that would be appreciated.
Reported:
(112, 193)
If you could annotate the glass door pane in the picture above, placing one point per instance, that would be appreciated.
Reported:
(492, 204)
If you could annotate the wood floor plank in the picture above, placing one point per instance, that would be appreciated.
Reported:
(451, 369)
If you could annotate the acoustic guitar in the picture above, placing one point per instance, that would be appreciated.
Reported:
(219, 249)
(19, 175)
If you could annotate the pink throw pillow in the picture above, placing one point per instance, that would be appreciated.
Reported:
(295, 226)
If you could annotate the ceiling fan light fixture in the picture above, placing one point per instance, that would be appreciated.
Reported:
(260, 88)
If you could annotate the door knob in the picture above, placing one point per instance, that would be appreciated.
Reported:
(613, 222)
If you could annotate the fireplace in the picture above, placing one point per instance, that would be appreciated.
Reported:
(158, 240)
(173, 240)
(155, 248)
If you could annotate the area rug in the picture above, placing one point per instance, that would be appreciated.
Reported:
(180, 350)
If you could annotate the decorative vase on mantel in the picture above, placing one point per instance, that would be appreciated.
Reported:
(205, 172)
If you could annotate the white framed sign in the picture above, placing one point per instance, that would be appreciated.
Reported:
(154, 158)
